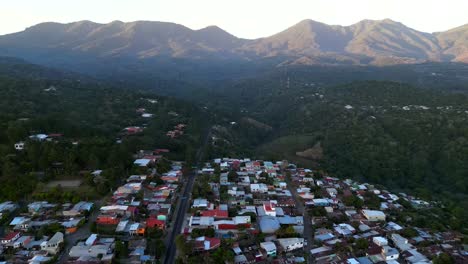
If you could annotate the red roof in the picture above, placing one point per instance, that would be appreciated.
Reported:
(153, 222)
(214, 243)
(157, 151)
(215, 213)
(10, 236)
(269, 207)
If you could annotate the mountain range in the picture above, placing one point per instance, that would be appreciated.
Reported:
(368, 42)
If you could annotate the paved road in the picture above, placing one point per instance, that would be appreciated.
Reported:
(308, 232)
(181, 209)
(82, 233)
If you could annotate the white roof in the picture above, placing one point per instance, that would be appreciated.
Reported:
(114, 207)
(285, 242)
(142, 162)
(134, 227)
(268, 246)
(91, 239)
(373, 213)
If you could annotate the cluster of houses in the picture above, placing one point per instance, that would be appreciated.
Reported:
(251, 201)
(344, 222)
(36, 235)
(140, 205)
(258, 204)
(177, 132)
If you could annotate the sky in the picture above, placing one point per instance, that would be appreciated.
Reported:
(242, 18)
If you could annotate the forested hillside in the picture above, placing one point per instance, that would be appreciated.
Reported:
(87, 118)
(403, 137)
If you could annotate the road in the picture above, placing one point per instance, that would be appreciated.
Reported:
(183, 204)
(82, 233)
(308, 232)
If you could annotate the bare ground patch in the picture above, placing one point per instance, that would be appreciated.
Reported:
(314, 153)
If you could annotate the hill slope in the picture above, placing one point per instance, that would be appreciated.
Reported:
(380, 42)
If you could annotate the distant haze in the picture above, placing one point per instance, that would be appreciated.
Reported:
(242, 18)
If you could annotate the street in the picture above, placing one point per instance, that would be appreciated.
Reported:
(308, 232)
(181, 209)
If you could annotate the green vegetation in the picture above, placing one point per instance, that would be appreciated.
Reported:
(90, 116)
(405, 138)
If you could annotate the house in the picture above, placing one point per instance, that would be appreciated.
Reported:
(198, 203)
(217, 214)
(91, 240)
(400, 242)
(22, 241)
(53, 245)
(345, 229)
(321, 202)
(206, 243)
(107, 220)
(10, 237)
(258, 188)
(332, 192)
(390, 253)
(142, 162)
(269, 224)
(270, 248)
(19, 145)
(155, 223)
(136, 229)
(373, 215)
(290, 244)
(380, 241)
(269, 208)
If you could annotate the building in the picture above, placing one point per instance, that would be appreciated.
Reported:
(198, 203)
(270, 248)
(53, 245)
(373, 215)
(345, 229)
(11, 237)
(258, 188)
(206, 243)
(19, 145)
(290, 244)
(269, 208)
(390, 253)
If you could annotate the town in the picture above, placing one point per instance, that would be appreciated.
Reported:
(241, 211)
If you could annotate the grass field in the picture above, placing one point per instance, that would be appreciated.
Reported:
(286, 148)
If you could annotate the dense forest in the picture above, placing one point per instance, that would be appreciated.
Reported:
(89, 118)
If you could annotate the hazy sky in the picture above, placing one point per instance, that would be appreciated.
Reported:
(243, 18)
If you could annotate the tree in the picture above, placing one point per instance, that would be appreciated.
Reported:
(120, 249)
(362, 243)
(443, 258)
(232, 176)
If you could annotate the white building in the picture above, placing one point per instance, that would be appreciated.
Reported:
(290, 244)
(19, 145)
(52, 246)
(390, 253)
(373, 215)
(380, 241)
(269, 247)
(197, 203)
(258, 188)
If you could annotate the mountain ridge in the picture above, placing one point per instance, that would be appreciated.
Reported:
(367, 42)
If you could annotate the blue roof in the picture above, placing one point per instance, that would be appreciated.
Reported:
(364, 260)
